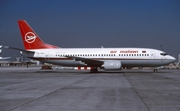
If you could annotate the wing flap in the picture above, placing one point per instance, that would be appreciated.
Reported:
(89, 62)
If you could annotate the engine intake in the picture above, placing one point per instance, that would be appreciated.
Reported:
(112, 65)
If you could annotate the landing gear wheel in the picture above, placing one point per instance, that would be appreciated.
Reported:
(155, 71)
(94, 70)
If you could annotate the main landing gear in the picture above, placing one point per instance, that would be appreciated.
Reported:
(94, 70)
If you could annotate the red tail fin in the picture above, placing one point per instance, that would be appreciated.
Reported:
(30, 39)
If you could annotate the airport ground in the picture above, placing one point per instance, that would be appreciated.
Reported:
(33, 89)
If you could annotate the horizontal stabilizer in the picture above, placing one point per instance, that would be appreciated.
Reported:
(24, 51)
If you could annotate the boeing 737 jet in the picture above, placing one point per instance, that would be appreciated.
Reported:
(105, 58)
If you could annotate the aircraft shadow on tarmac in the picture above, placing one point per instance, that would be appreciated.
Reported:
(101, 72)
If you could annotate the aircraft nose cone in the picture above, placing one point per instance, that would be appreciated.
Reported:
(173, 59)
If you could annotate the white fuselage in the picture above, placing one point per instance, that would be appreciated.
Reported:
(129, 57)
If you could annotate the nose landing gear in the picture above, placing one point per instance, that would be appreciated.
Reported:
(155, 71)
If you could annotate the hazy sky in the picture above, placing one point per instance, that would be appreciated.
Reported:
(92, 23)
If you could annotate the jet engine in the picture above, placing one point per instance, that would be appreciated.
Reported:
(112, 65)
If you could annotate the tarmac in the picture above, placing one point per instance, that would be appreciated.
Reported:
(33, 89)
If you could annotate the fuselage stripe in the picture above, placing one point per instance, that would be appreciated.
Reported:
(93, 58)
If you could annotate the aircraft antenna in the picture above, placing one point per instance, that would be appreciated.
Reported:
(162, 48)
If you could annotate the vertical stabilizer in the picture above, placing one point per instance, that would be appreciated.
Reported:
(30, 39)
(0, 49)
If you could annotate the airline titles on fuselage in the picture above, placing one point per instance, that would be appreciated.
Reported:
(124, 51)
(129, 51)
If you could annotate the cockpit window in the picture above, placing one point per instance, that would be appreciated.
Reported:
(163, 54)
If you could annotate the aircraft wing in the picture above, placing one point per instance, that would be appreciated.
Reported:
(2, 58)
(89, 62)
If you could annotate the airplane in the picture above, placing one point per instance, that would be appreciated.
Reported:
(104, 58)
(2, 58)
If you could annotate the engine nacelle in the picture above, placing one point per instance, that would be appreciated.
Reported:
(112, 65)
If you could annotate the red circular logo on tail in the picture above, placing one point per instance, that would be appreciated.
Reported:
(30, 37)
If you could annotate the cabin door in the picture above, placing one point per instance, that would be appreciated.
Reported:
(152, 55)
(47, 55)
